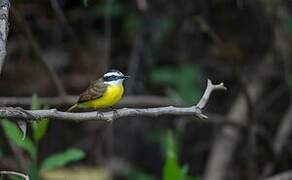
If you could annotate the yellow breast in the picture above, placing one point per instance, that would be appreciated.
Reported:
(111, 96)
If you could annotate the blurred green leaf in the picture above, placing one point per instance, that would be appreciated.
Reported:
(14, 134)
(35, 102)
(33, 172)
(61, 159)
(183, 81)
(39, 129)
(171, 169)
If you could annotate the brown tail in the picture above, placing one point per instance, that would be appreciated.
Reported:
(72, 108)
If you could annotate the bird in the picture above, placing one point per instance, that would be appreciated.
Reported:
(104, 92)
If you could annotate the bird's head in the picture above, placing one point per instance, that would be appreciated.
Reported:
(114, 77)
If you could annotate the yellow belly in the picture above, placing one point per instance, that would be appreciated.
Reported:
(112, 95)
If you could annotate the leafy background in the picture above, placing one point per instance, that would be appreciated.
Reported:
(170, 49)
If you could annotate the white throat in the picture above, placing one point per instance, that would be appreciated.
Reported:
(116, 82)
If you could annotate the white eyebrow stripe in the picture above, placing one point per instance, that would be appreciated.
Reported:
(112, 73)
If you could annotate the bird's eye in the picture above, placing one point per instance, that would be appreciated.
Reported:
(110, 78)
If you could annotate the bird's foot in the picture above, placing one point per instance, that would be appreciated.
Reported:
(115, 113)
(99, 115)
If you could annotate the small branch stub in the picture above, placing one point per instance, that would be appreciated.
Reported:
(210, 88)
(53, 114)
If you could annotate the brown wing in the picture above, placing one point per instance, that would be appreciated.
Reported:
(94, 91)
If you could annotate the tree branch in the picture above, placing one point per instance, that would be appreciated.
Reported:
(25, 177)
(28, 115)
(4, 28)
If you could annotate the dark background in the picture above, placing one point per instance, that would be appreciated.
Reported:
(169, 48)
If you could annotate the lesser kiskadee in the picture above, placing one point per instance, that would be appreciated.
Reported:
(103, 92)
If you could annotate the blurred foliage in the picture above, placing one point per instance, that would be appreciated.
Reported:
(172, 170)
(35, 103)
(61, 159)
(182, 83)
(14, 134)
(169, 34)
(39, 129)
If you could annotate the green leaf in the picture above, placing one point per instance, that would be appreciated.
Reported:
(35, 102)
(61, 159)
(14, 134)
(39, 129)
(171, 169)
(33, 172)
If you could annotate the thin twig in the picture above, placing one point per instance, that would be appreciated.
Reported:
(25, 177)
(28, 115)
(4, 28)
